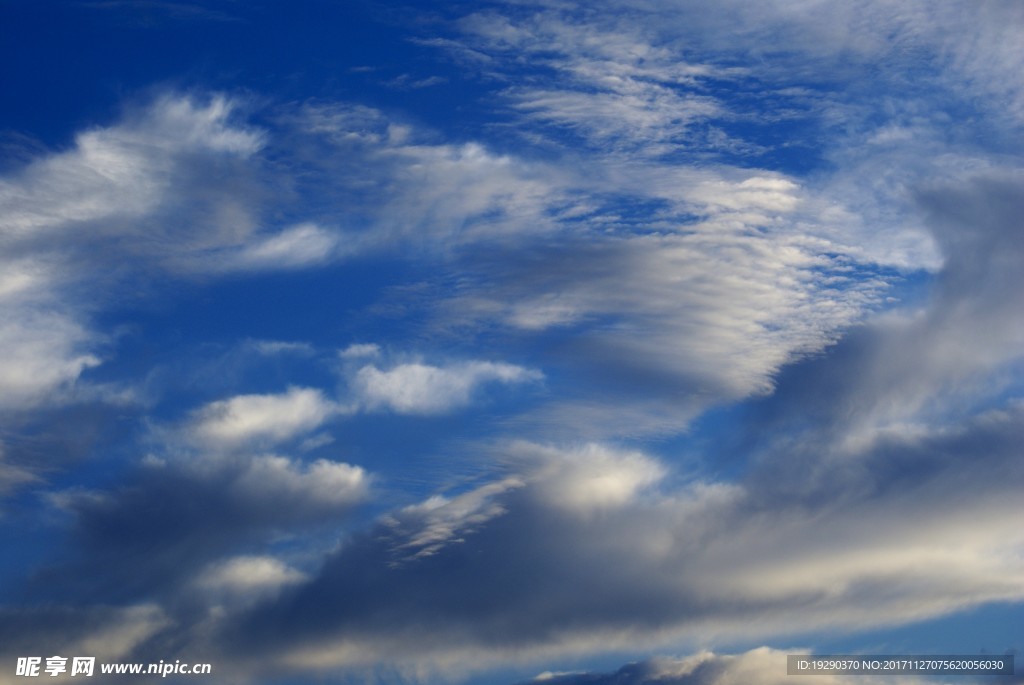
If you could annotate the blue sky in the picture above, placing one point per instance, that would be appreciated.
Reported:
(482, 342)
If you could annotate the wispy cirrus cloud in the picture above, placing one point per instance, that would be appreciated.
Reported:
(296, 247)
(606, 82)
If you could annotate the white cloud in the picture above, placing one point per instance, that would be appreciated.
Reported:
(41, 353)
(416, 388)
(44, 344)
(651, 116)
(294, 247)
(21, 277)
(320, 484)
(589, 478)
(12, 476)
(248, 575)
(411, 193)
(360, 350)
(610, 84)
(122, 171)
(627, 82)
(276, 347)
(968, 43)
(315, 441)
(705, 313)
(261, 418)
(424, 529)
(75, 222)
(655, 281)
(721, 277)
(710, 276)
(185, 124)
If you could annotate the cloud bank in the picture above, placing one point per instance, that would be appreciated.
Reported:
(626, 329)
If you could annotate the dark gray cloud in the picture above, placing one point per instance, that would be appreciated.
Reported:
(153, 535)
(103, 631)
(151, 560)
(914, 368)
(500, 579)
